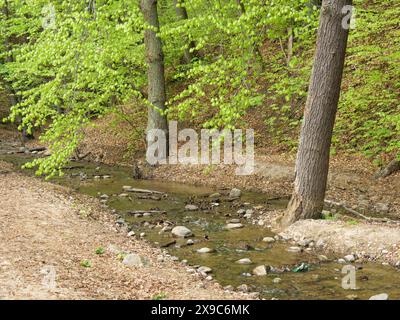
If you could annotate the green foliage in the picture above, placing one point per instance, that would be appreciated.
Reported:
(72, 73)
(100, 250)
(121, 256)
(369, 112)
(90, 60)
(86, 263)
(352, 222)
(226, 82)
(159, 296)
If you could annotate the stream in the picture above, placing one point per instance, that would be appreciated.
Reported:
(291, 275)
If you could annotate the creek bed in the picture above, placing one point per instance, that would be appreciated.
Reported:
(322, 280)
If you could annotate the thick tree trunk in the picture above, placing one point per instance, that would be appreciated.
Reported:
(156, 78)
(319, 116)
(182, 14)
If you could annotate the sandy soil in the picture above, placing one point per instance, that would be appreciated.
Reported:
(46, 229)
(368, 241)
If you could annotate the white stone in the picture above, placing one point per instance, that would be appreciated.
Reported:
(234, 226)
(276, 280)
(294, 249)
(268, 239)
(204, 250)
(321, 257)
(244, 261)
(204, 269)
(123, 195)
(235, 193)
(191, 207)
(181, 231)
(381, 296)
(260, 271)
(349, 258)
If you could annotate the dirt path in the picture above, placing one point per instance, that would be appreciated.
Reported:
(45, 230)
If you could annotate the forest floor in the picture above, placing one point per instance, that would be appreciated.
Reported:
(49, 233)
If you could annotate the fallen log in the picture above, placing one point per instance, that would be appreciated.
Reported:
(136, 190)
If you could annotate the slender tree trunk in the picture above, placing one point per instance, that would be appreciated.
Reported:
(12, 96)
(156, 78)
(182, 14)
(8, 58)
(319, 116)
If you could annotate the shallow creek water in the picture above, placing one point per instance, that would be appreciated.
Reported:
(323, 280)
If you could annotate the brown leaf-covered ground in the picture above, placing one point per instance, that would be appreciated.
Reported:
(47, 227)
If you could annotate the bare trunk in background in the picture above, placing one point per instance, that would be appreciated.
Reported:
(156, 77)
(182, 14)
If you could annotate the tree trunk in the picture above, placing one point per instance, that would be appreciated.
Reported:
(312, 162)
(156, 78)
(182, 14)
(12, 96)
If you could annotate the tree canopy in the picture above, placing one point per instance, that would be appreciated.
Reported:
(69, 62)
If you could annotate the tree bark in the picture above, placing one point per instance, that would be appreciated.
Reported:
(155, 61)
(182, 14)
(312, 162)
(8, 58)
(12, 96)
